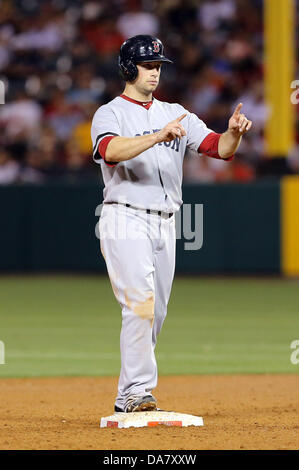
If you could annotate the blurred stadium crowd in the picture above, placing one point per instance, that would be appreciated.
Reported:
(58, 60)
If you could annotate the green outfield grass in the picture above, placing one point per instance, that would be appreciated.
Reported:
(63, 325)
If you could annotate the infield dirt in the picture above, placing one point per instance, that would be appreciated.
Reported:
(239, 412)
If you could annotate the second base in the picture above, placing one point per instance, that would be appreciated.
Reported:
(150, 419)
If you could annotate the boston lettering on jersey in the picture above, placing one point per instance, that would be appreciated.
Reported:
(174, 144)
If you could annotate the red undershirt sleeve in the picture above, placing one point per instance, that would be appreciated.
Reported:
(103, 147)
(209, 146)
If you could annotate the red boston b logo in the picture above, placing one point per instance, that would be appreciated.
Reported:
(156, 47)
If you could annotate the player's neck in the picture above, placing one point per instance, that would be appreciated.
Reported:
(131, 92)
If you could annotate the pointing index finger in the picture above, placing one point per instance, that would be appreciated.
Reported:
(238, 109)
(181, 117)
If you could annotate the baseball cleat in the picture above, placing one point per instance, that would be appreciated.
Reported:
(138, 403)
(118, 410)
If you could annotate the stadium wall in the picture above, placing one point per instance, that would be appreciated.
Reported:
(52, 228)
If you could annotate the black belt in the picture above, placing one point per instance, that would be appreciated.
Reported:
(152, 211)
(148, 211)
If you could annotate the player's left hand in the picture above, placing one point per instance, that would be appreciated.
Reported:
(239, 123)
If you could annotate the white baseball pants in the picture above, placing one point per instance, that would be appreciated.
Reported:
(139, 250)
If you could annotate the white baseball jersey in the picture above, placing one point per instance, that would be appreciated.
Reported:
(153, 179)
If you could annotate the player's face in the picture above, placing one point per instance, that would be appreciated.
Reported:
(148, 76)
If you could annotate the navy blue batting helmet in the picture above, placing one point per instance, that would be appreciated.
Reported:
(141, 48)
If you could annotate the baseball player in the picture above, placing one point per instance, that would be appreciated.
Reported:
(140, 144)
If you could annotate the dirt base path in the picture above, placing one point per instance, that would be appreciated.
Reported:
(240, 412)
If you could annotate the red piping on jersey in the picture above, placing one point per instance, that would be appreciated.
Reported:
(144, 104)
(209, 146)
(103, 147)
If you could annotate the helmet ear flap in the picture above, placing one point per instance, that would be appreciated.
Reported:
(128, 70)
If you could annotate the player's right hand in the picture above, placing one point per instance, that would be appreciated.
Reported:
(172, 130)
